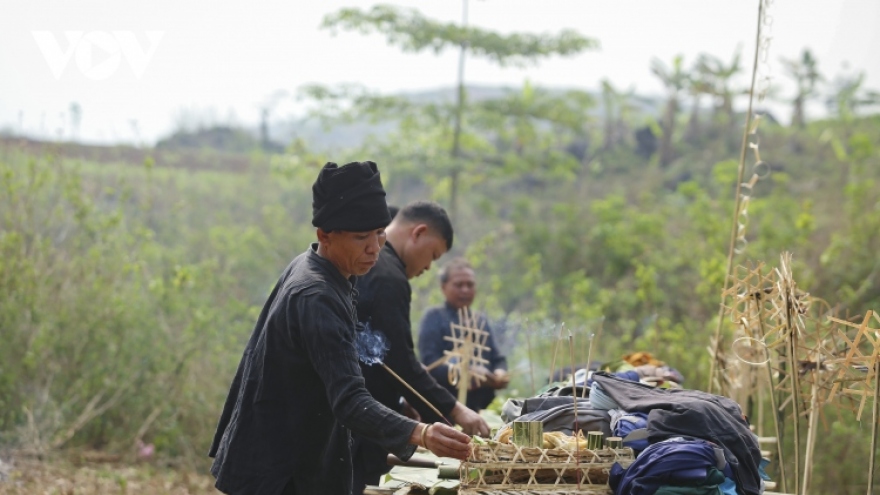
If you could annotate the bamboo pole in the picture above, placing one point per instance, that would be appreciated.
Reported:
(777, 426)
(811, 435)
(771, 392)
(738, 199)
(876, 416)
(793, 376)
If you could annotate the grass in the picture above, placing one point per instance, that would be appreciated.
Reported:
(96, 473)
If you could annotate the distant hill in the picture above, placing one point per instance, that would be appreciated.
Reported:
(191, 159)
(238, 140)
(346, 135)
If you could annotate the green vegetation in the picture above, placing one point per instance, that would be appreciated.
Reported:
(128, 288)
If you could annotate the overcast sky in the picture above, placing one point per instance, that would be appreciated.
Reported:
(146, 62)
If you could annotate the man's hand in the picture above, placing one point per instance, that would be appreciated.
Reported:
(499, 379)
(493, 379)
(480, 376)
(442, 440)
(470, 422)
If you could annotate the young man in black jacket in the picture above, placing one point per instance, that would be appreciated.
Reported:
(419, 234)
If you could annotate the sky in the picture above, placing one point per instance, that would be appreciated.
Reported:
(138, 69)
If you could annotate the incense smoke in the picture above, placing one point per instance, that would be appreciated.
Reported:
(370, 344)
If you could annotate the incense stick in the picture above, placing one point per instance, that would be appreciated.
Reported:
(574, 396)
(531, 362)
(555, 351)
(420, 396)
(587, 371)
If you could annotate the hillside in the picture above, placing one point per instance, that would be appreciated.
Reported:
(155, 263)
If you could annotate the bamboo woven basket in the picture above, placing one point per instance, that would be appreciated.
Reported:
(502, 468)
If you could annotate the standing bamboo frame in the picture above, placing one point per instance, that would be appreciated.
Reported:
(811, 361)
(468, 338)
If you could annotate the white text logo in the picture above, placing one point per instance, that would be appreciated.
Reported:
(98, 53)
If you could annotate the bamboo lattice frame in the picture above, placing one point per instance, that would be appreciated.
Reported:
(833, 357)
(468, 339)
(810, 359)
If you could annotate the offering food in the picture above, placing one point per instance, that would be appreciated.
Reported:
(552, 439)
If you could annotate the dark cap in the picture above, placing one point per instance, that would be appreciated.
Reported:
(350, 197)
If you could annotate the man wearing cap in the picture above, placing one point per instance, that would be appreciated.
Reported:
(299, 389)
(417, 236)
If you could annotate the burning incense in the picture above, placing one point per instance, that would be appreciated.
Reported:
(371, 347)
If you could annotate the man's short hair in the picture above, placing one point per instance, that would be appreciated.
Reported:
(457, 263)
(431, 214)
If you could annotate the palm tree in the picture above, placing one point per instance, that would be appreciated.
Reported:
(806, 75)
(849, 96)
(699, 84)
(618, 105)
(412, 32)
(675, 80)
(719, 76)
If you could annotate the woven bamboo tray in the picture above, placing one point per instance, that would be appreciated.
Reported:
(496, 469)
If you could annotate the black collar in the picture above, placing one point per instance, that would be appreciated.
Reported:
(399, 261)
(329, 267)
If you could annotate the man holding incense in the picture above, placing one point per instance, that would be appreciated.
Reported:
(299, 389)
(459, 285)
(419, 234)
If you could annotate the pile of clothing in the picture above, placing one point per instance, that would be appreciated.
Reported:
(687, 442)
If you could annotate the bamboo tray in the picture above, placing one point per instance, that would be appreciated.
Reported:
(496, 468)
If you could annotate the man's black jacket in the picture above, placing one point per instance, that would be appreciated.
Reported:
(298, 390)
(384, 297)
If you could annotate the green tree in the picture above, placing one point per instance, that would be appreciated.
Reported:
(617, 109)
(699, 84)
(412, 32)
(720, 76)
(805, 72)
(849, 96)
(674, 79)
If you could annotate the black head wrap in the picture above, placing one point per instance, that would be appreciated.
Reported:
(350, 197)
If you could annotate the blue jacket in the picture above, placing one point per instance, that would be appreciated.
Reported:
(676, 461)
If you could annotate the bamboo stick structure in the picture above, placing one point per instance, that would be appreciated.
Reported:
(468, 339)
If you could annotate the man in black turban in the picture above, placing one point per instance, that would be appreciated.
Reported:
(299, 389)
(350, 197)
